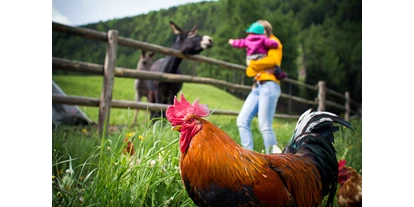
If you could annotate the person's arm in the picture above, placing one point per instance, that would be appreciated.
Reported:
(269, 43)
(237, 43)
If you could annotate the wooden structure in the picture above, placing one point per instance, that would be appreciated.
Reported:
(109, 71)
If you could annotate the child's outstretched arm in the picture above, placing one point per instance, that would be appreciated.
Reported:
(238, 43)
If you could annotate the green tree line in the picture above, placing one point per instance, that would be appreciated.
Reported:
(322, 39)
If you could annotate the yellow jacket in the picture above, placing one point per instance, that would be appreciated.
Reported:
(273, 58)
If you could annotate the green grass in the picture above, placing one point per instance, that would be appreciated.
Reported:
(92, 172)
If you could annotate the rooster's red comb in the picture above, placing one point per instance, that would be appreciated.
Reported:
(181, 109)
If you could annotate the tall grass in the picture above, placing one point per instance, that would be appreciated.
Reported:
(108, 177)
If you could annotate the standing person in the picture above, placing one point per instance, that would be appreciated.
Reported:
(262, 99)
(257, 45)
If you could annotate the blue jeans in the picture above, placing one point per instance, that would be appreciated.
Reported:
(262, 101)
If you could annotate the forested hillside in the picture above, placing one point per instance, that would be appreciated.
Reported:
(322, 39)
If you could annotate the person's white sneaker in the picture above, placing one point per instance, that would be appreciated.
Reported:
(276, 149)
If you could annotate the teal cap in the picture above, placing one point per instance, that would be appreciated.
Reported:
(255, 28)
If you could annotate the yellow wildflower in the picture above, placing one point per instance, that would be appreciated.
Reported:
(84, 131)
(141, 137)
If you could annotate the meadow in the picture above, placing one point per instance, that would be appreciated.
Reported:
(89, 171)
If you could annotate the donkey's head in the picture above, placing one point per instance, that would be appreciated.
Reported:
(189, 42)
(145, 61)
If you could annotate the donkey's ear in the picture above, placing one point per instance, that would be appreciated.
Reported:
(193, 32)
(151, 54)
(142, 53)
(194, 29)
(177, 30)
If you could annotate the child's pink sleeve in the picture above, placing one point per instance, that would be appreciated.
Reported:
(239, 43)
(269, 43)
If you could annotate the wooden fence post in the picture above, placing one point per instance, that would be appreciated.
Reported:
(108, 82)
(321, 95)
(290, 100)
(347, 105)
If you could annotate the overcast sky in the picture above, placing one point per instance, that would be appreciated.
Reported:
(81, 12)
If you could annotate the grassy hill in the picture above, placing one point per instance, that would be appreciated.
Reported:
(91, 86)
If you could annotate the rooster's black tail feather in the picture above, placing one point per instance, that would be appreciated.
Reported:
(313, 138)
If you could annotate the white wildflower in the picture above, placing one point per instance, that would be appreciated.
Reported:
(69, 171)
(152, 163)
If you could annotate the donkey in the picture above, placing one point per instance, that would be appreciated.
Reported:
(189, 43)
(141, 86)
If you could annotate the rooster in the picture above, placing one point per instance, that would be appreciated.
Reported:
(216, 171)
(350, 190)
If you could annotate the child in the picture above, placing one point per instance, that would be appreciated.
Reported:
(257, 44)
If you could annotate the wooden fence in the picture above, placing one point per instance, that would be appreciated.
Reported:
(109, 71)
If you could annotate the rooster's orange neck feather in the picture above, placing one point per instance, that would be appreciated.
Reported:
(213, 149)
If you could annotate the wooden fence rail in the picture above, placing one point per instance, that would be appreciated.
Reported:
(109, 71)
(78, 66)
(123, 104)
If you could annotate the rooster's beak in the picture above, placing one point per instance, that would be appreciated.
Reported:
(176, 128)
